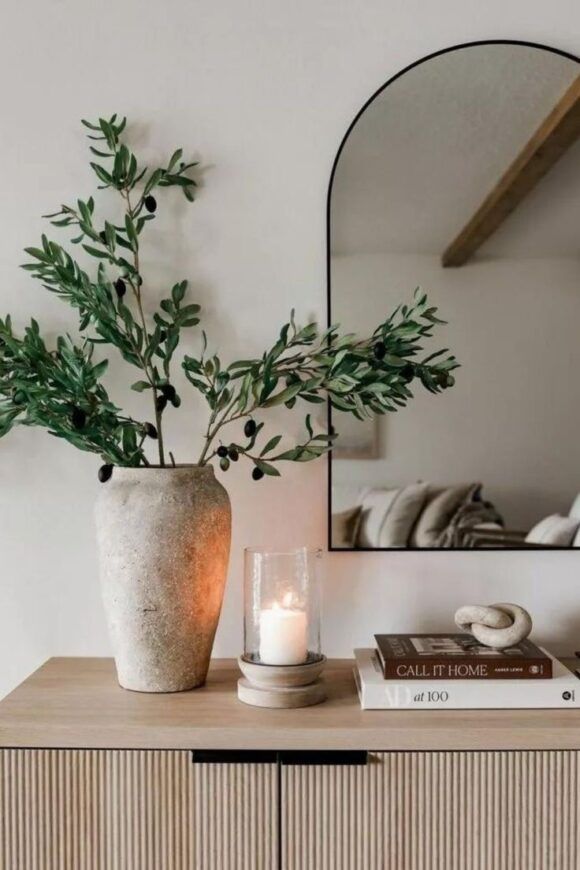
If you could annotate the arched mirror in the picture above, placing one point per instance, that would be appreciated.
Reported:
(462, 176)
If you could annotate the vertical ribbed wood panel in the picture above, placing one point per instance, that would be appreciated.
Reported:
(236, 817)
(124, 810)
(434, 811)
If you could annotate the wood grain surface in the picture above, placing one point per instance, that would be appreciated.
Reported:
(77, 703)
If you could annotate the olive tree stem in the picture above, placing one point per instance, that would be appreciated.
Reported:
(136, 288)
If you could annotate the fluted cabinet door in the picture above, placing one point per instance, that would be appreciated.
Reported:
(134, 810)
(434, 811)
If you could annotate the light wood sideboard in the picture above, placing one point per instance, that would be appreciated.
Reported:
(96, 778)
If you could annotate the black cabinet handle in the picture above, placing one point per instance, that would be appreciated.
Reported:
(284, 757)
(328, 757)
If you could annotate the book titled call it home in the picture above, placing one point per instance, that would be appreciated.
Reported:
(458, 657)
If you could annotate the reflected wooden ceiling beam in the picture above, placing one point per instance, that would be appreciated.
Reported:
(554, 136)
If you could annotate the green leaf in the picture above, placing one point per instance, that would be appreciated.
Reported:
(244, 393)
(99, 153)
(100, 369)
(129, 440)
(313, 399)
(395, 361)
(177, 155)
(94, 252)
(284, 396)
(131, 231)
(102, 174)
(272, 443)
(242, 364)
(178, 292)
(84, 211)
(38, 254)
(110, 234)
(290, 455)
(140, 386)
(153, 181)
(190, 309)
(266, 468)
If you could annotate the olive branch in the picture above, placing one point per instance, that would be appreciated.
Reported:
(62, 391)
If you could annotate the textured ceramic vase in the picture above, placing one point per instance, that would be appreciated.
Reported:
(164, 542)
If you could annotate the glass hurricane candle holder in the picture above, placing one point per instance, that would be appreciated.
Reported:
(282, 661)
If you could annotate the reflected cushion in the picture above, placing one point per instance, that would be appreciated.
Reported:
(347, 496)
(375, 504)
(345, 527)
(402, 515)
(555, 530)
(575, 509)
(441, 506)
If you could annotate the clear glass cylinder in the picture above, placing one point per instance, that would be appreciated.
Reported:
(282, 606)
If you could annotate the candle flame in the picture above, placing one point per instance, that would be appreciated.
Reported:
(287, 600)
(275, 606)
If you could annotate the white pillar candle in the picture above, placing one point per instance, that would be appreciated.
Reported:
(283, 635)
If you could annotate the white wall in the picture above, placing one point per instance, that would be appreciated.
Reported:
(512, 420)
(263, 91)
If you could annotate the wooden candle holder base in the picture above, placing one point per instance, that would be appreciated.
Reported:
(281, 686)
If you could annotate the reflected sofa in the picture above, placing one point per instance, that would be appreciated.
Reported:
(417, 516)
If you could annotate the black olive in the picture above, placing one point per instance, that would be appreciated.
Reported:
(151, 431)
(257, 474)
(233, 454)
(169, 392)
(19, 397)
(222, 451)
(105, 473)
(150, 203)
(407, 373)
(79, 418)
(224, 464)
(160, 404)
(442, 379)
(379, 350)
(120, 287)
(250, 428)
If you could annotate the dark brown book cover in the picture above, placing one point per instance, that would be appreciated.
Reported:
(458, 657)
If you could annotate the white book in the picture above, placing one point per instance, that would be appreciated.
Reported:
(376, 693)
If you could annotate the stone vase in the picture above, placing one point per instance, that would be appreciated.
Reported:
(164, 541)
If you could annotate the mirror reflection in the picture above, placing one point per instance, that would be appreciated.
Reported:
(462, 177)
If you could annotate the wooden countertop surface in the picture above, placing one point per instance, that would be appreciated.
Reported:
(77, 703)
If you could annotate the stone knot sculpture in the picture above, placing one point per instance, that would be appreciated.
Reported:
(498, 626)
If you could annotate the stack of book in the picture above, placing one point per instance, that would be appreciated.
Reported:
(454, 671)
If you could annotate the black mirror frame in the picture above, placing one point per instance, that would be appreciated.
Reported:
(343, 142)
